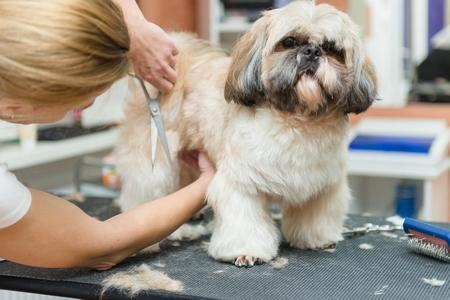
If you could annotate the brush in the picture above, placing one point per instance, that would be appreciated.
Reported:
(431, 240)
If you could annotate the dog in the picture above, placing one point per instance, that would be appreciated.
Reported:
(274, 119)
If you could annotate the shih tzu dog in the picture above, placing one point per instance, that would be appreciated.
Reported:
(274, 119)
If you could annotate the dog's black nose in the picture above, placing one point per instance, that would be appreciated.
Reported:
(312, 52)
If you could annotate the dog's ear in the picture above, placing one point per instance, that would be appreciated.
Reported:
(244, 85)
(364, 89)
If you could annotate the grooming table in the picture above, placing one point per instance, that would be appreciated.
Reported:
(389, 271)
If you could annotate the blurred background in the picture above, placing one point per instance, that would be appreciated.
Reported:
(399, 150)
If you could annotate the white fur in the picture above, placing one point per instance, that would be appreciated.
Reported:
(279, 263)
(273, 162)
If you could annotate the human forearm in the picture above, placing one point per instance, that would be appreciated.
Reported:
(151, 222)
(163, 215)
(55, 233)
(131, 11)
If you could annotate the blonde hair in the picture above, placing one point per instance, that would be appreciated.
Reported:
(61, 50)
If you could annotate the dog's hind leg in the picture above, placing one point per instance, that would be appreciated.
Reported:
(142, 182)
(244, 232)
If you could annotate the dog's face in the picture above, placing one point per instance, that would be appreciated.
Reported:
(303, 59)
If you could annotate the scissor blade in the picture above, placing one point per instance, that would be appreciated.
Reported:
(157, 122)
(147, 95)
(162, 135)
(154, 140)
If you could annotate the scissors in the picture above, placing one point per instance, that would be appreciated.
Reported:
(157, 125)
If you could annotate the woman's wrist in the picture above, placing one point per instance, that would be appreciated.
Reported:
(205, 179)
(131, 12)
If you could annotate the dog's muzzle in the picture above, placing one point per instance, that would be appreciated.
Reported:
(312, 53)
(308, 59)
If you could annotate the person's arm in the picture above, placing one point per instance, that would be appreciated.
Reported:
(57, 234)
(152, 52)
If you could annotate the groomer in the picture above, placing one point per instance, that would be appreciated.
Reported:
(56, 56)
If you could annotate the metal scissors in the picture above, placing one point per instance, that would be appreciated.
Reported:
(157, 125)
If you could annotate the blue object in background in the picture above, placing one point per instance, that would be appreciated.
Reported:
(436, 18)
(281, 3)
(405, 200)
(420, 145)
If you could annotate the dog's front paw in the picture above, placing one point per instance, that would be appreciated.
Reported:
(316, 244)
(330, 246)
(247, 261)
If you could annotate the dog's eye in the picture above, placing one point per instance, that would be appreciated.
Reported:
(289, 42)
(329, 46)
(331, 49)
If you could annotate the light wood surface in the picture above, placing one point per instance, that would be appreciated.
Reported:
(171, 15)
(413, 110)
(339, 4)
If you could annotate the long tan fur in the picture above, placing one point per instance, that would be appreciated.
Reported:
(272, 118)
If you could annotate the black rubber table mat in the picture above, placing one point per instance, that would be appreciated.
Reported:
(389, 271)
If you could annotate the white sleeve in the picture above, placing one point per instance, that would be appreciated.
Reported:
(15, 198)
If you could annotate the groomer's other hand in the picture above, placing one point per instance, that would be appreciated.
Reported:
(200, 162)
(153, 55)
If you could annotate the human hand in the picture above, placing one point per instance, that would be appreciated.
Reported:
(153, 55)
(200, 162)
